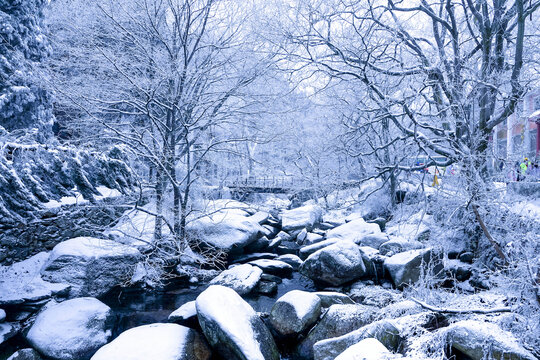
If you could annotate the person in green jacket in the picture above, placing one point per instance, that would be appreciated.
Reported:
(524, 165)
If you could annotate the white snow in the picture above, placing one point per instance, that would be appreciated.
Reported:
(242, 278)
(22, 281)
(354, 230)
(367, 349)
(136, 228)
(154, 341)
(303, 302)
(88, 247)
(79, 200)
(66, 200)
(235, 322)
(107, 193)
(66, 328)
(184, 312)
(301, 217)
(528, 208)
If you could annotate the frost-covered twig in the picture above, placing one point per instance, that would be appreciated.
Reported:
(461, 311)
(488, 235)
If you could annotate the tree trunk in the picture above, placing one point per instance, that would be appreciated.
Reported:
(159, 188)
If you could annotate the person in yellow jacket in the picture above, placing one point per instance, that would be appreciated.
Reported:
(524, 165)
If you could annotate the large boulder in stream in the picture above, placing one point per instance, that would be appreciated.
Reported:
(227, 231)
(91, 266)
(367, 349)
(383, 330)
(335, 264)
(73, 329)
(21, 283)
(185, 315)
(359, 232)
(232, 327)
(338, 320)
(481, 340)
(25, 354)
(302, 217)
(295, 312)
(407, 267)
(156, 342)
(273, 267)
(241, 278)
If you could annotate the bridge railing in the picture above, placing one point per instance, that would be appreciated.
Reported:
(266, 182)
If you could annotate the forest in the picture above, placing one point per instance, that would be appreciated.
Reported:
(269, 179)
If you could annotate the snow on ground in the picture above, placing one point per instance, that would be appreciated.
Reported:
(527, 208)
(79, 200)
(22, 281)
(136, 227)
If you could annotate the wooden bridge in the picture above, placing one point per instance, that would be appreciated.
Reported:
(271, 185)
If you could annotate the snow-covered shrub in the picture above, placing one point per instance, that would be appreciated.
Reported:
(33, 175)
(25, 104)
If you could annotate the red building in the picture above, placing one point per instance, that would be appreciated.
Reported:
(519, 137)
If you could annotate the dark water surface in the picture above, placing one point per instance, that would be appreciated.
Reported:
(135, 307)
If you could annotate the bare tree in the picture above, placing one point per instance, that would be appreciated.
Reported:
(173, 80)
(442, 73)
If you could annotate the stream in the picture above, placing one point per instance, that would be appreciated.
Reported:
(135, 307)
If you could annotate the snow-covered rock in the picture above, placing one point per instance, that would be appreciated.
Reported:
(156, 342)
(335, 264)
(302, 217)
(398, 244)
(22, 283)
(383, 330)
(312, 238)
(356, 231)
(480, 340)
(232, 327)
(291, 259)
(329, 298)
(2, 315)
(91, 266)
(25, 354)
(367, 349)
(185, 314)
(301, 236)
(7, 331)
(270, 231)
(228, 231)
(374, 295)
(406, 267)
(250, 257)
(260, 244)
(73, 329)
(260, 217)
(274, 267)
(410, 231)
(338, 320)
(307, 250)
(457, 269)
(295, 312)
(241, 278)
(401, 308)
